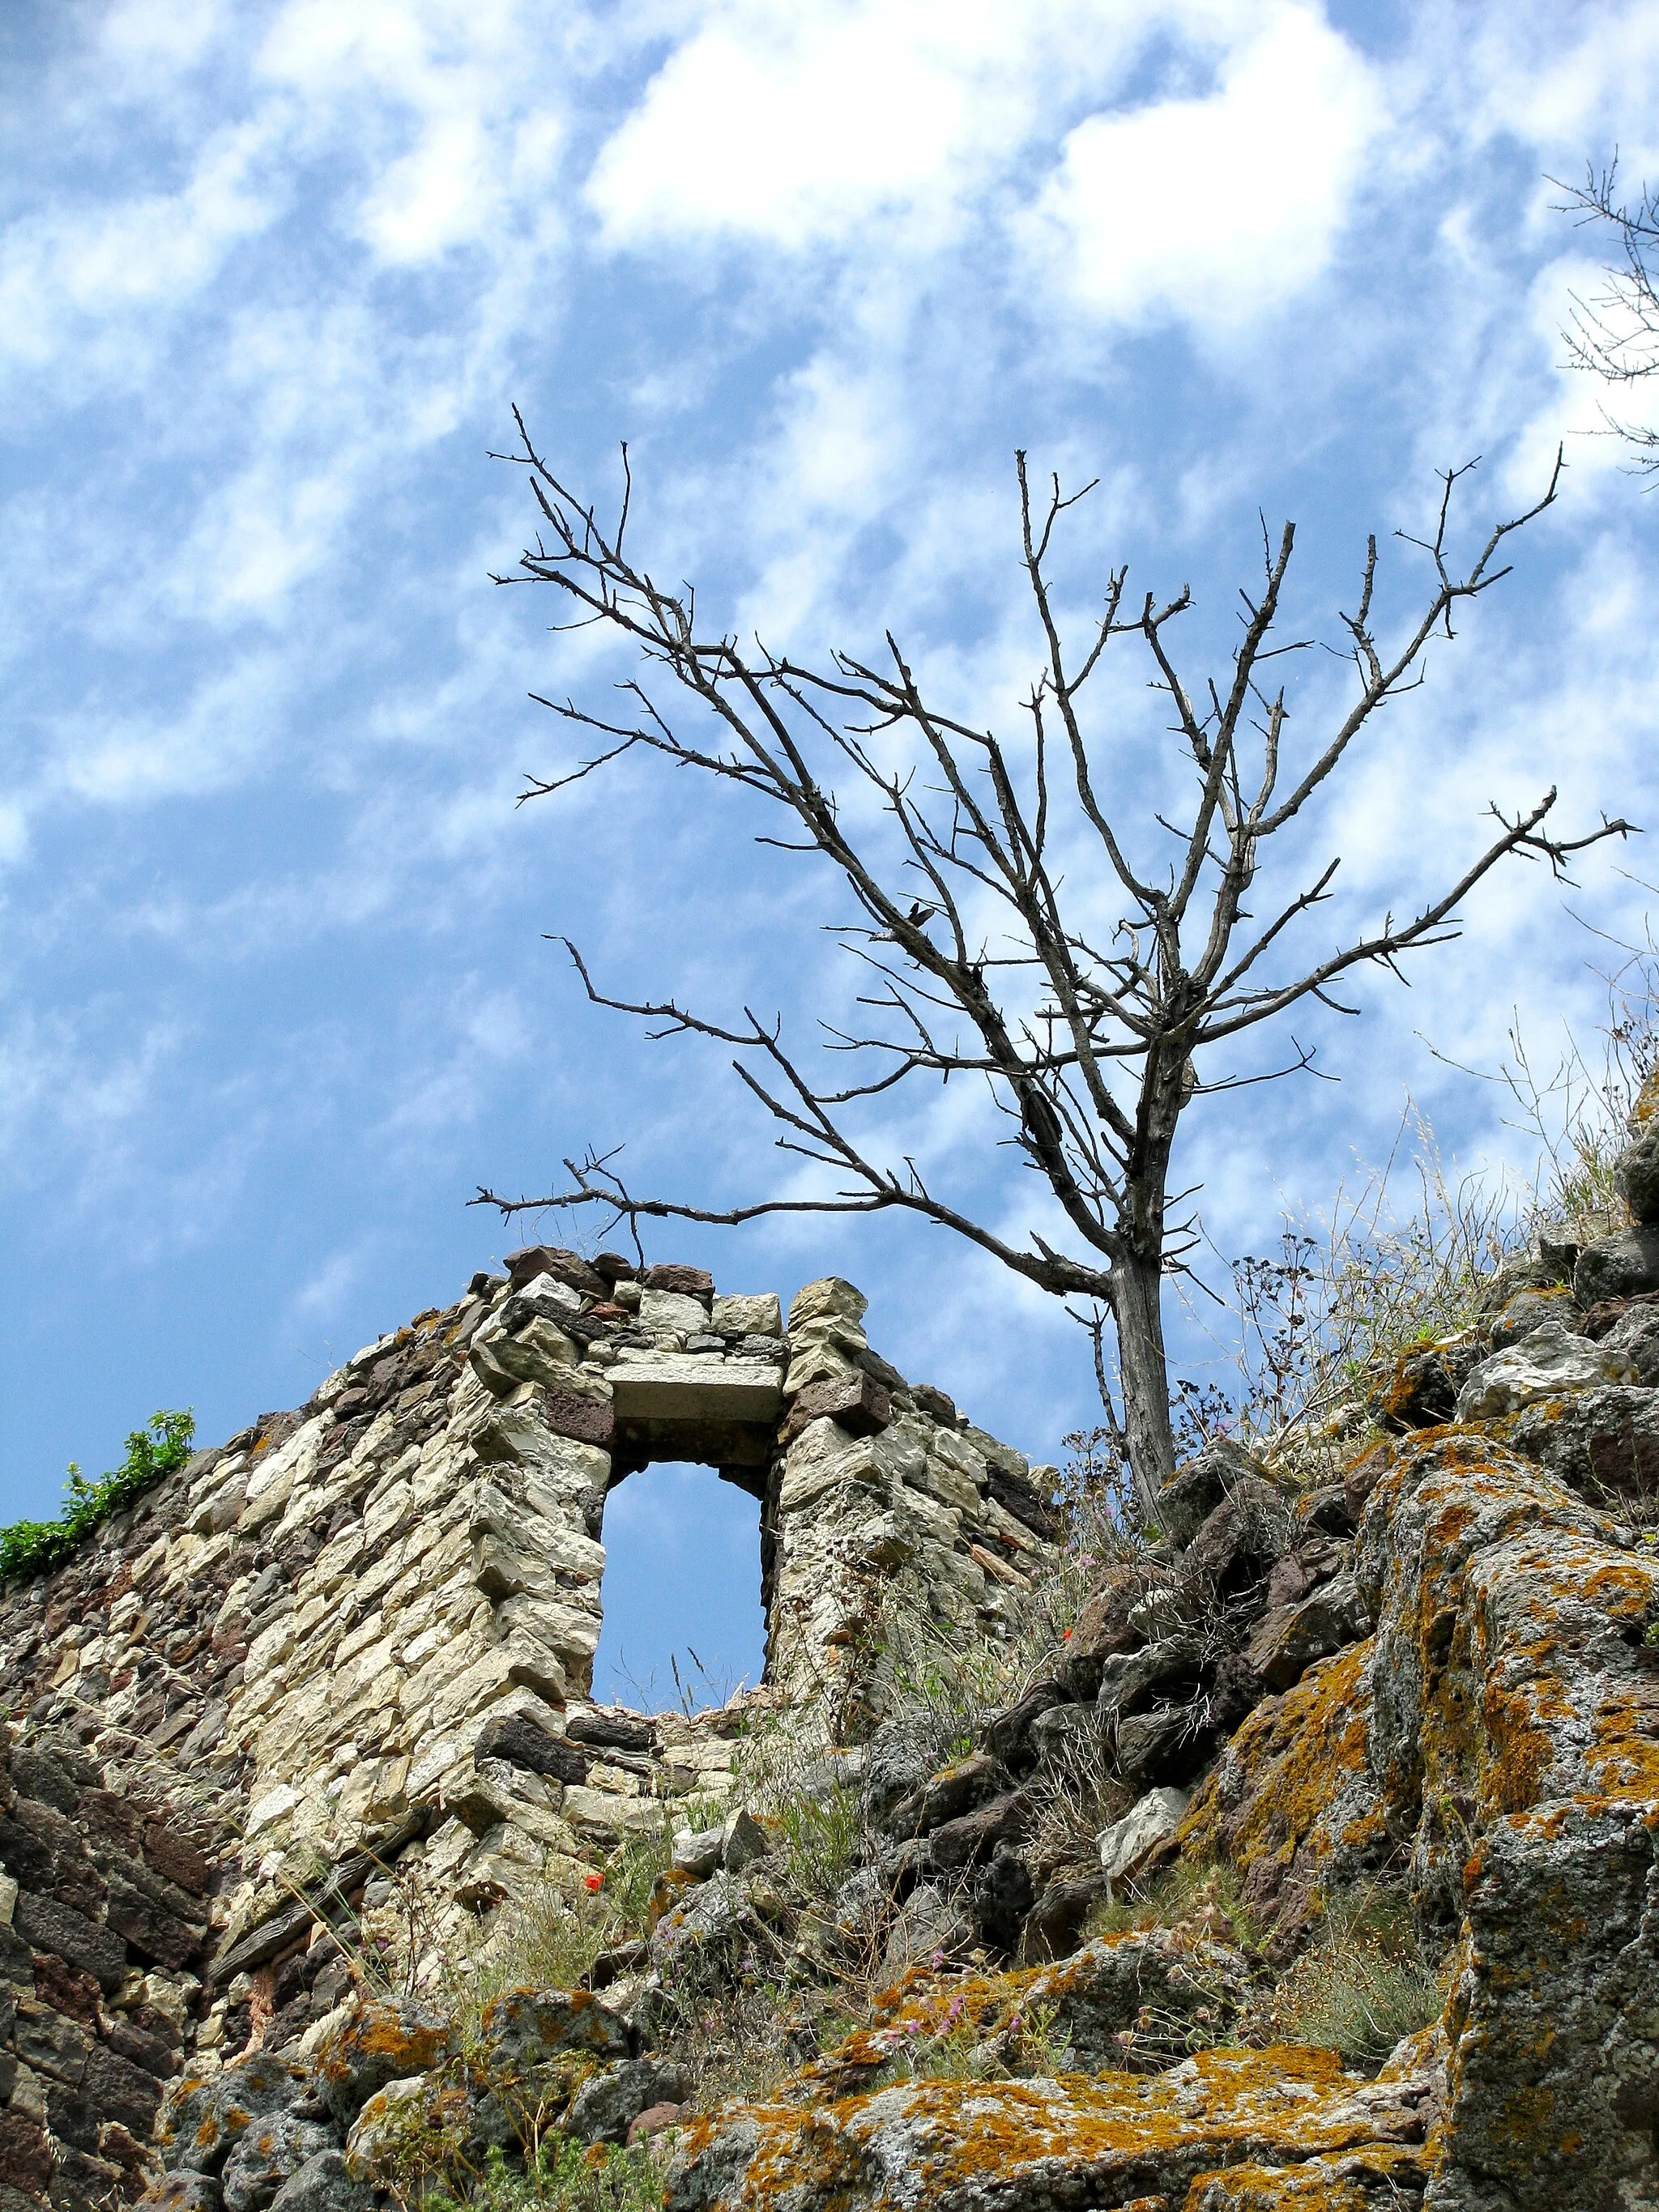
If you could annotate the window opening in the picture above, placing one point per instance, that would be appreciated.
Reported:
(683, 1622)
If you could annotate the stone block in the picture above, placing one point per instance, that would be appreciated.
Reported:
(670, 1310)
(747, 1316)
(685, 1282)
(680, 1388)
(569, 1267)
(1619, 1266)
(517, 1738)
(585, 1418)
(856, 1402)
(51, 1926)
(25, 2162)
(118, 2090)
(831, 1298)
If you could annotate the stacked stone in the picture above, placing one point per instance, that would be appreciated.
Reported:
(103, 1921)
(351, 1648)
(885, 1492)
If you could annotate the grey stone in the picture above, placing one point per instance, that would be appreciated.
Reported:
(1548, 1364)
(322, 2185)
(1528, 1311)
(1195, 1490)
(1636, 1178)
(898, 1757)
(697, 1851)
(1154, 1816)
(1619, 1266)
(1129, 1678)
(1288, 1640)
(930, 1924)
(202, 2121)
(1604, 1444)
(682, 1387)
(606, 2107)
(743, 1842)
(1635, 1337)
(1063, 1728)
(267, 2153)
(51, 1926)
(185, 2192)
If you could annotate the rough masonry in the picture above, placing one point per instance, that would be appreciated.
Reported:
(357, 1640)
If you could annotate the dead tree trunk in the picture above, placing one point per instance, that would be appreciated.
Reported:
(1092, 1046)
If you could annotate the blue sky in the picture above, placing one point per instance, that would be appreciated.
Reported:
(274, 993)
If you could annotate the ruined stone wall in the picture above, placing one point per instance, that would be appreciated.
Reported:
(359, 1636)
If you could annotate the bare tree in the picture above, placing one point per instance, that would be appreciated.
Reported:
(1091, 1042)
(1614, 335)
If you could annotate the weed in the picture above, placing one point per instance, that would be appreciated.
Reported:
(1201, 1897)
(35, 1548)
(562, 2177)
(1363, 1986)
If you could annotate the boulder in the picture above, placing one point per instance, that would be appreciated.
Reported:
(268, 2152)
(1602, 1443)
(387, 2041)
(525, 2028)
(702, 1941)
(697, 1851)
(955, 1790)
(1549, 1364)
(1002, 1894)
(1196, 1488)
(898, 1759)
(742, 1841)
(201, 2120)
(930, 1925)
(1290, 1639)
(1310, 2131)
(323, 2184)
(604, 2109)
(567, 1268)
(1154, 1816)
(1619, 1266)
(1054, 1927)
(1012, 1735)
(1635, 1337)
(1636, 1178)
(1528, 1310)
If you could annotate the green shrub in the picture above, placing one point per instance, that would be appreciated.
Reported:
(563, 2177)
(35, 1548)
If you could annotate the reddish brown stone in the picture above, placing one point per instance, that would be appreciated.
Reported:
(175, 1857)
(25, 2155)
(653, 2121)
(856, 1402)
(686, 1282)
(588, 1420)
(65, 1988)
(533, 1260)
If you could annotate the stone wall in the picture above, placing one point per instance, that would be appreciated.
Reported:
(358, 1637)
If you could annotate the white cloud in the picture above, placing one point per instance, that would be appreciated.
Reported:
(1218, 208)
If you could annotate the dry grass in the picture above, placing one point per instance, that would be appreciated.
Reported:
(1364, 1984)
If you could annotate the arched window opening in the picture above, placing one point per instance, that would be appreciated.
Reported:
(682, 1621)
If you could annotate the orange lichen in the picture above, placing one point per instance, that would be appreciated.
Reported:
(1223, 2113)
